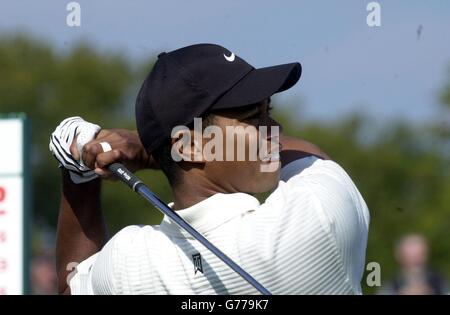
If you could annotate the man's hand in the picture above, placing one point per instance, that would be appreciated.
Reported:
(126, 148)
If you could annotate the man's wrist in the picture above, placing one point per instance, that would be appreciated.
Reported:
(82, 195)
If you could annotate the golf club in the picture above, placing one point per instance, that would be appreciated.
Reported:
(139, 187)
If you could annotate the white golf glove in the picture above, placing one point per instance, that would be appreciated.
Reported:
(60, 142)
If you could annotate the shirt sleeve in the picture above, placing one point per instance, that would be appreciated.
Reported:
(101, 273)
(94, 276)
(342, 210)
(80, 283)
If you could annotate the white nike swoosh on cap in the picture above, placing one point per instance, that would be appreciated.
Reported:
(229, 58)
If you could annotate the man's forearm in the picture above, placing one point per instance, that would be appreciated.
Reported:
(81, 230)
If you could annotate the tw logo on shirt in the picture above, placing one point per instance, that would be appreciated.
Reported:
(197, 258)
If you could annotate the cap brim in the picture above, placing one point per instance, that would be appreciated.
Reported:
(260, 84)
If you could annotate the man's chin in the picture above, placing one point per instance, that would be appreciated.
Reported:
(268, 183)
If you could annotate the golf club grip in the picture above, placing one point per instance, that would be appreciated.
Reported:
(125, 175)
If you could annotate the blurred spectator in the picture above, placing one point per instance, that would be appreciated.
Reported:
(415, 276)
(43, 274)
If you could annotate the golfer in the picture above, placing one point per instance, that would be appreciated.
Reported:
(308, 237)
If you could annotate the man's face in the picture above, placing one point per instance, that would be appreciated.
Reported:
(250, 165)
(413, 252)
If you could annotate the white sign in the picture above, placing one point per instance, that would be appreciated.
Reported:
(11, 137)
(11, 206)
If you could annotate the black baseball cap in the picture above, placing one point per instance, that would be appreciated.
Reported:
(190, 81)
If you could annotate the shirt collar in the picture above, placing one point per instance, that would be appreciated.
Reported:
(211, 213)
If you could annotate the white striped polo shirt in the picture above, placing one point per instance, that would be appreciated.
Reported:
(308, 237)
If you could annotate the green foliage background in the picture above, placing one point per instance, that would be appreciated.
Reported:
(402, 170)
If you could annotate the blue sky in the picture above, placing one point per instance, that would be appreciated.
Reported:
(387, 71)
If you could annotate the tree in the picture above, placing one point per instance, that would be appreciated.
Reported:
(401, 170)
(49, 87)
(403, 176)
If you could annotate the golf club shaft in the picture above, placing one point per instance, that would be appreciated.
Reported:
(138, 186)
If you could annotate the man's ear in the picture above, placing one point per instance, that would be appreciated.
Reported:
(187, 146)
